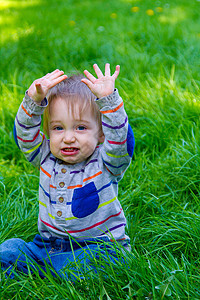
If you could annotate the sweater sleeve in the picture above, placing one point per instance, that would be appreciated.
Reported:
(118, 146)
(31, 141)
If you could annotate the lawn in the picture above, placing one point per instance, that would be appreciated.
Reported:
(157, 44)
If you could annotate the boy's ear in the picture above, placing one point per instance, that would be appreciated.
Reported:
(101, 138)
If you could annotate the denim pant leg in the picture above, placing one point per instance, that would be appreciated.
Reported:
(62, 257)
(16, 254)
(75, 263)
(72, 264)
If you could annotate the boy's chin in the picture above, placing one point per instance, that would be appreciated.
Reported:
(72, 161)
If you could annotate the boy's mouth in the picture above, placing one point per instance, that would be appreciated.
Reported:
(69, 151)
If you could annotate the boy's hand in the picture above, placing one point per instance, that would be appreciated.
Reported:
(103, 85)
(40, 87)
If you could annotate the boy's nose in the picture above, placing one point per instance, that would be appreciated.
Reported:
(69, 137)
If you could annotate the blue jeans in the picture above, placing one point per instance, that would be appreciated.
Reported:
(63, 257)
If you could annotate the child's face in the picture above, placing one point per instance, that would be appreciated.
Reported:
(71, 139)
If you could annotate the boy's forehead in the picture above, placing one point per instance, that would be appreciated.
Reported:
(74, 108)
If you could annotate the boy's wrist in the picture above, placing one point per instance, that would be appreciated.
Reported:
(36, 100)
(106, 95)
(42, 102)
(32, 107)
(109, 101)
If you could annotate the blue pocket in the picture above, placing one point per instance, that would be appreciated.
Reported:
(85, 200)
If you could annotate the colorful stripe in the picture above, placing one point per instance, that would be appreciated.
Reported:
(47, 194)
(95, 225)
(29, 141)
(45, 172)
(115, 127)
(113, 228)
(110, 165)
(52, 158)
(112, 110)
(84, 180)
(70, 218)
(117, 143)
(106, 185)
(92, 160)
(53, 202)
(113, 173)
(51, 216)
(80, 186)
(76, 172)
(49, 225)
(34, 155)
(27, 127)
(52, 186)
(107, 202)
(93, 176)
(44, 159)
(116, 156)
(56, 173)
(37, 146)
(24, 109)
(43, 204)
(74, 186)
(82, 170)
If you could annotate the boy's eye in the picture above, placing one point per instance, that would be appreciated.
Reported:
(81, 127)
(58, 128)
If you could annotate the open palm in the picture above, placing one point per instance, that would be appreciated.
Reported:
(40, 87)
(103, 85)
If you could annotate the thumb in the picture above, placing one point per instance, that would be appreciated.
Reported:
(38, 88)
(87, 82)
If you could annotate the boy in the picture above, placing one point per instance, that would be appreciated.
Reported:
(89, 148)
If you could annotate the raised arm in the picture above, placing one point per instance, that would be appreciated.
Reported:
(118, 145)
(27, 134)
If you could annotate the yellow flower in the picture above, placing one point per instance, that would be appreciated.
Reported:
(159, 9)
(72, 23)
(150, 12)
(135, 9)
(113, 15)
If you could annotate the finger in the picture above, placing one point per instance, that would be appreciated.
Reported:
(107, 69)
(53, 74)
(87, 82)
(38, 88)
(97, 71)
(115, 75)
(57, 80)
(50, 74)
(89, 76)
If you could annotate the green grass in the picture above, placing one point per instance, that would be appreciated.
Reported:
(159, 82)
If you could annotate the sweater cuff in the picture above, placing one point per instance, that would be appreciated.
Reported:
(32, 107)
(109, 102)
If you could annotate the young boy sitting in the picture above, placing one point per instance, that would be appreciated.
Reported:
(89, 148)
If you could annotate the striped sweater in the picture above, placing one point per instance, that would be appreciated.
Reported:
(80, 200)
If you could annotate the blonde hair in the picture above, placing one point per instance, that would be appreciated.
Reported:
(77, 95)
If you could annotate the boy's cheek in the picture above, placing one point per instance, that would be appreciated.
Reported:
(53, 142)
(52, 136)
